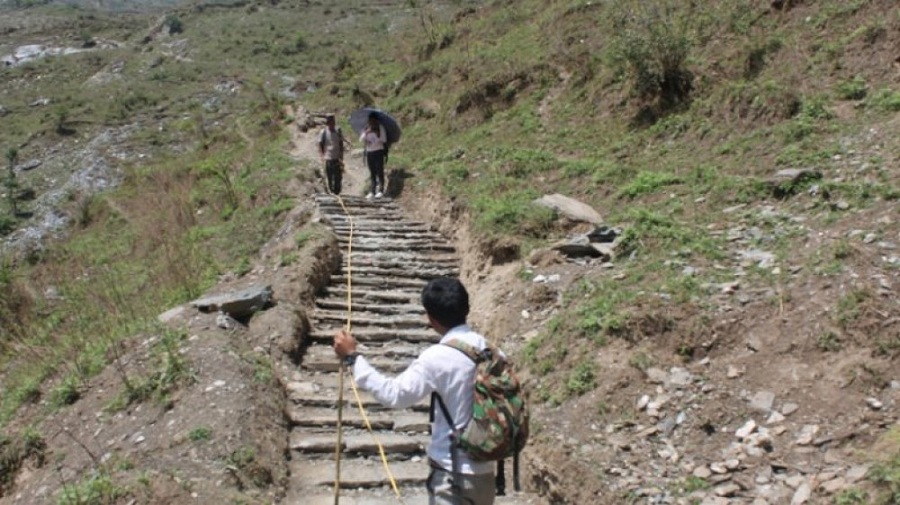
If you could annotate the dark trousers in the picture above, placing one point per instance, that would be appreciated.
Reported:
(334, 174)
(375, 161)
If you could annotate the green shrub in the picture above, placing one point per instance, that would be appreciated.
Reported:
(886, 100)
(582, 379)
(66, 393)
(97, 489)
(851, 496)
(653, 42)
(173, 23)
(648, 182)
(200, 434)
(853, 89)
(14, 450)
(887, 475)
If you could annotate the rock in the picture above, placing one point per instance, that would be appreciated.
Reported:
(834, 485)
(874, 404)
(802, 494)
(658, 402)
(785, 182)
(794, 481)
(679, 377)
(727, 489)
(603, 235)
(762, 401)
(762, 259)
(789, 408)
(656, 375)
(856, 473)
(225, 321)
(733, 372)
(715, 500)
(807, 434)
(642, 402)
(702, 472)
(733, 464)
(775, 417)
(29, 165)
(718, 467)
(239, 305)
(571, 208)
(580, 246)
(745, 430)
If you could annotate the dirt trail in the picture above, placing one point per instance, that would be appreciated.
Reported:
(356, 176)
(393, 257)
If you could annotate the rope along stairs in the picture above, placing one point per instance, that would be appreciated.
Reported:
(392, 258)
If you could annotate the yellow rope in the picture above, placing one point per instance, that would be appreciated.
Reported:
(359, 402)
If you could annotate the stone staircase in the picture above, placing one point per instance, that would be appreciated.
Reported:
(392, 259)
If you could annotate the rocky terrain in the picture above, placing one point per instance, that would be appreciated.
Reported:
(764, 372)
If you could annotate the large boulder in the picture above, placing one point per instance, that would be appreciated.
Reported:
(238, 304)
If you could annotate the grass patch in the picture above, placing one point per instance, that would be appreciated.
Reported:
(170, 370)
(581, 379)
(200, 434)
(15, 450)
(97, 488)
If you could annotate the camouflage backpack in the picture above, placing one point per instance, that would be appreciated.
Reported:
(499, 425)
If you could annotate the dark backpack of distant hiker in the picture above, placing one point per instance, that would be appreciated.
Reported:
(499, 425)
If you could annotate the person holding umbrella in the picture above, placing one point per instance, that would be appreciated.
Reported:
(375, 137)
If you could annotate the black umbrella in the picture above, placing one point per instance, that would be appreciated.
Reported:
(360, 118)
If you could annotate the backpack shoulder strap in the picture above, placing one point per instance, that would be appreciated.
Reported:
(469, 350)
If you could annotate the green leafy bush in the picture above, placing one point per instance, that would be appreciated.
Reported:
(653, 42)
(853, 89)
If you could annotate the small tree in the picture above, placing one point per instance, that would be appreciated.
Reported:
(653, 41)
(173, 23)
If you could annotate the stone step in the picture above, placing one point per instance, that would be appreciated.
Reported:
(319, 417)
(363, 443)
(415, 233)
(363, 220)
(358, 473)
(411, 495)
(391, 359)
(359, 206)
(373, 334)
(389, 226)
(361, 306)
(328, 317)
(411, 261)
(404, 257)
(330, 400)
(335, 292)
(397, 245)
(401, 421)
(323, 392)
(409, 272)
(386, 283)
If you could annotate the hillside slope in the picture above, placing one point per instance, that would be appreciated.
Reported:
(741, 346)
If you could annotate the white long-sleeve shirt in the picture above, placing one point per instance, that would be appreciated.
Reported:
(441, 369)
(374, 141)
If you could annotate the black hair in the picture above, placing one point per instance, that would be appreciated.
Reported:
(446, 300)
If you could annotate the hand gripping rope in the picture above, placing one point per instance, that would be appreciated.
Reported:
(362, 410)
